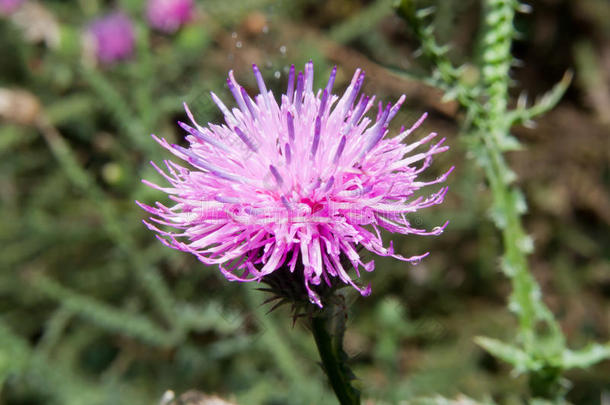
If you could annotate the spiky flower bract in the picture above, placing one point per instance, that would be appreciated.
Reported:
(112, 37)
(296, 189)
(169, 15)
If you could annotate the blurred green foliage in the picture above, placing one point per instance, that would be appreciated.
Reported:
(93, 310)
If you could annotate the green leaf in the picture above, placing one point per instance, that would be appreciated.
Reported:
(513, 355)
(522, 115)
(584, 358)
(509, 143)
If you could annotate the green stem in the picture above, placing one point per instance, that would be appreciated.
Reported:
(492, 127)
(547, 383)
(515, 264)
(330, 347)
(487, 128)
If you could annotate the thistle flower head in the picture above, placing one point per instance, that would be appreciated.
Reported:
(112, 37)
(295, 190)
(169, 15)
(10, 6)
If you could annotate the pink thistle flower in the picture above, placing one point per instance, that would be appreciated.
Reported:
(169, 15)
(300, 186)
(112, 37)
(8, 7)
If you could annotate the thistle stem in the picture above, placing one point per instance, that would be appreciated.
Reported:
(329, 341)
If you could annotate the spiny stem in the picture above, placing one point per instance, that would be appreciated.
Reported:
(330, 346)
(492, 127)
(515, 264)
(487, 126)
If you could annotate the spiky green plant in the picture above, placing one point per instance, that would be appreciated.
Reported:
(540, 348)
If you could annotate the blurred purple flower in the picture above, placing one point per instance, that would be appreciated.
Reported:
(300, 186)
(169, 15)
(10, 6)
(112, 37)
